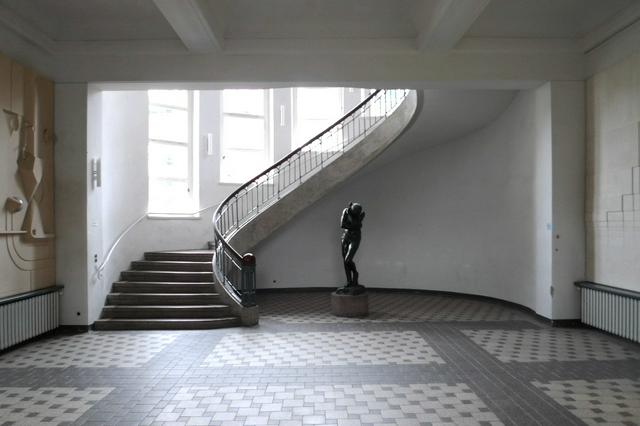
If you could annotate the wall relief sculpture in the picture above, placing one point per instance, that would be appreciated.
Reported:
(27, 249)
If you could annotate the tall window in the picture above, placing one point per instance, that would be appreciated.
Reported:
(315, 109)
(171, 154)
(246, 141)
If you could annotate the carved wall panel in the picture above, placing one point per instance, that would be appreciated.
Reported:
(27, 246)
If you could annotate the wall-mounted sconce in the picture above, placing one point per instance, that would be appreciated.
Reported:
(96, 173)
(209, 143)
(13, 204)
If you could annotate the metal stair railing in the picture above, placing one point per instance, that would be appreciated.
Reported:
(237, 272)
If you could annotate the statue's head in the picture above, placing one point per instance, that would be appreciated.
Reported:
(355, 209)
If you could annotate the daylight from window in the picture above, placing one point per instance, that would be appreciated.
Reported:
(170, 152)
(246, 141)
(245, 127)
(315, 109)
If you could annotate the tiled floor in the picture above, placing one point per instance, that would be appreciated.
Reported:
(418, 359)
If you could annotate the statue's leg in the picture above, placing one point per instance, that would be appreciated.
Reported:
(347, 271)
(350, 265)
(345, 250)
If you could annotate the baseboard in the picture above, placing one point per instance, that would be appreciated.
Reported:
(295, 290)
(551, 322)
(73, 329)
(568, 323)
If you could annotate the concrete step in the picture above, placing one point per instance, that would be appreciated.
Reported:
(169, 276)
(162, 287)
(166, 324)
(181, 255)
(156, 265)
(166, 299)
(165, 312)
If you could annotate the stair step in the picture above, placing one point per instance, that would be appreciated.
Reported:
(163, 299)
(165, 312)
(166, 324)
(181, 255)
(170, 276)
(162, 287)
(157, 265)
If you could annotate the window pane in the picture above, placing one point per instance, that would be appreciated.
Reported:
(168, 160)
(243, 133)
(243, 101)
(316, 109)
(240, 166)
(169, 196)
(320, 103)
(176, 98)
(168, 124)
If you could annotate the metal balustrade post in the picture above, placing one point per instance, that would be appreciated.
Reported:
(237, 219)
(248, 277)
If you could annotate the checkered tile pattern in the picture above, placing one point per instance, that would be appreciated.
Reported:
(89, 350)
(543, 345)
(407, 364)
(26, 406)
(306, 308)
(322, 348)
(597, 402)
(415, 404)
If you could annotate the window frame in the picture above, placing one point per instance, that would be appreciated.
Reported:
(268, 133)
(192, 160)
(295, 113)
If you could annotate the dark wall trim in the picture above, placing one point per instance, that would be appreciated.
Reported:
(554, 323)
(30, 294)
(72, 329)
(609, 289)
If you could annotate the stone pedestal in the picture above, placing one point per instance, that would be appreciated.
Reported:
(346, 305)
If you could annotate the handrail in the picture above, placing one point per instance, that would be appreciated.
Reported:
(97, 273)
(236, 272)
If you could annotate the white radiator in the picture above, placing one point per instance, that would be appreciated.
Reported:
(611, 309)
(25, 316)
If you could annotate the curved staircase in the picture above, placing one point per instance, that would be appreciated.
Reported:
(168, 290)
(265, 203)
(211, 289)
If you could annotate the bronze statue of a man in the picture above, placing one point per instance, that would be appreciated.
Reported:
(351, 222)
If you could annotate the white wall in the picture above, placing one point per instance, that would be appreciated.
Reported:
(125, 187)
(472, 215)
(71, 200)
(123, 139)
(94, 201)
(568, 168)
(613, 175)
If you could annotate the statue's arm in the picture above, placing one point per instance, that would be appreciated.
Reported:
(361, 216)
(343, 219)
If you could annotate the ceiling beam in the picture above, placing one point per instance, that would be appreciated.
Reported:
(194, 23)
(26, 30)
(442, 23)
(609, 29)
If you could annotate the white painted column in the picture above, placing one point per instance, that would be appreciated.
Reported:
(71, 200)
